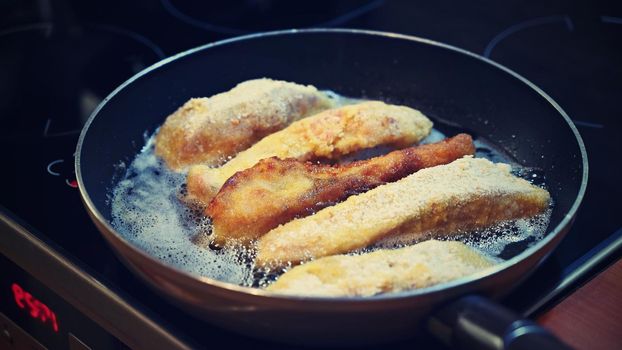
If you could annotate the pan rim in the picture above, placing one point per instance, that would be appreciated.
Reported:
(256, 292)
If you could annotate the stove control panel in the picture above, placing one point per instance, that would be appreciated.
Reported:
(14, 337)
(34, 317)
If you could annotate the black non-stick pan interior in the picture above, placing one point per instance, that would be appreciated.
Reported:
(446, 84)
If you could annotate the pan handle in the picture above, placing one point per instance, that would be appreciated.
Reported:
(475, 322)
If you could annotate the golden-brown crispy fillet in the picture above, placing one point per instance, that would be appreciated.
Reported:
(461, 196)
(329, 134)
(274, 191)
(208, 130)
(417, 266)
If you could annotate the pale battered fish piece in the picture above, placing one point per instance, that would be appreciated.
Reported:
(418, 266)
(458, 197)
(329, 134)
(275, 191)
(208, 130)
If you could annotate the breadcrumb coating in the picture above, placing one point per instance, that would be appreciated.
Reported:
(208, 130)
(329, 134)
(464, 195)
(417, 266)
(275, 191)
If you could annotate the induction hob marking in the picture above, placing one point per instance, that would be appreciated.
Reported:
(352, 14)
(524, 25)
(168, 5)
(49, 167)
(47, 26)
(47, 133)
(135, 36)
(198, 23)
(610, 19)
(71, 183)
(588, 124)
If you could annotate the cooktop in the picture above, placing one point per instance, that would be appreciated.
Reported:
(59, 60)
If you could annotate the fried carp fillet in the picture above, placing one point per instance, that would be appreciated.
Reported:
(274, 191)
(461, 196)
(208, 130)
(417, 266)
(329, 134)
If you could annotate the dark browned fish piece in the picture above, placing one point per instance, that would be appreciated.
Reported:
(275, 191)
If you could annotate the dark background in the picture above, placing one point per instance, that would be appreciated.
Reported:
(59, 59)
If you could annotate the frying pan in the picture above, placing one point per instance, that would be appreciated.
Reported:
(452, 86)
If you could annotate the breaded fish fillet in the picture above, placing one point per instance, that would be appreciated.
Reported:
(329, 134)
(274, 191)
(417, 266)
(208, 130)
(464, 195)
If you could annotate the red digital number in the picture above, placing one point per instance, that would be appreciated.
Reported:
(32, 305)
(18, 294)
(36, 308)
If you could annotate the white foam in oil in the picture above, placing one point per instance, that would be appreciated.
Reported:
(147, 211)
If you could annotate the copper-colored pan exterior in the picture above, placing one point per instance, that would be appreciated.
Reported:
(313, 320)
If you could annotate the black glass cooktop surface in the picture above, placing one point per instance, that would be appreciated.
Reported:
(59, 59)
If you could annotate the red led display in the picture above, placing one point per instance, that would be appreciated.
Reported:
(36, 309)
